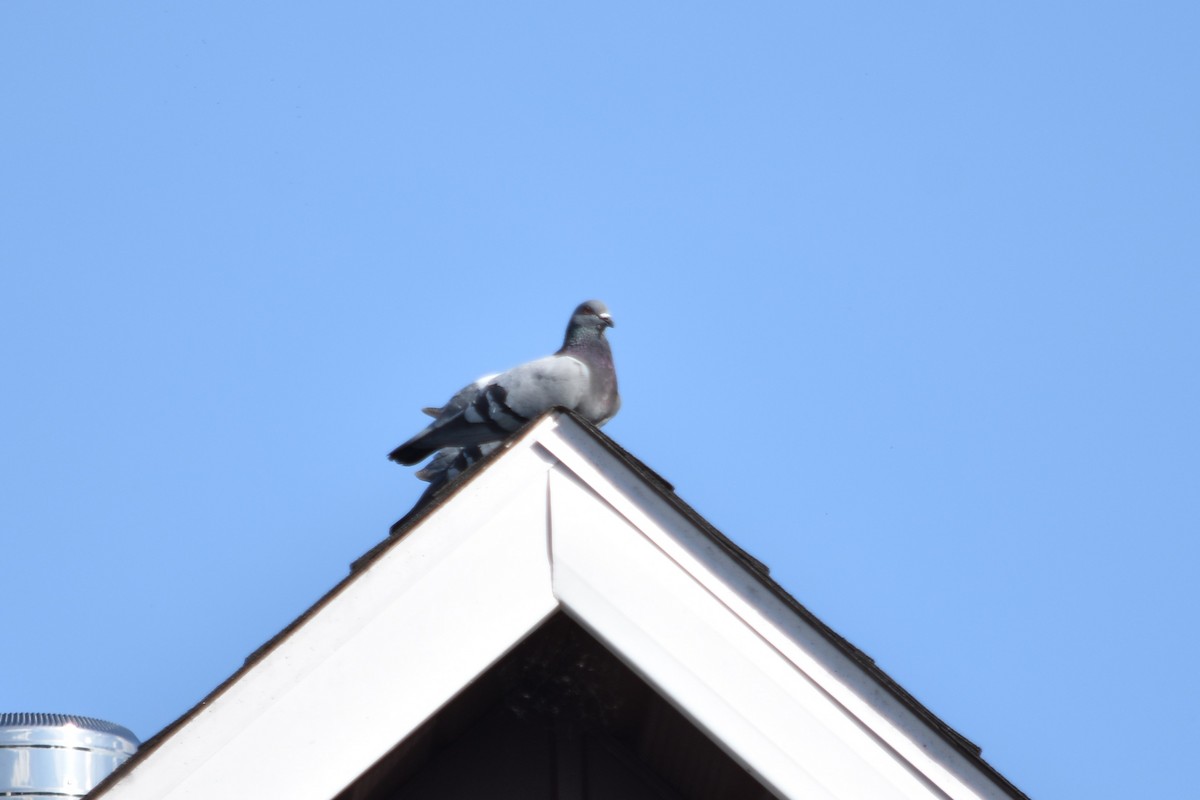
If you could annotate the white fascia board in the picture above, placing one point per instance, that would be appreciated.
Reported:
(620, 553)
(371, 664)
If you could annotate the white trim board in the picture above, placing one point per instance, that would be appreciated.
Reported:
(557, 521)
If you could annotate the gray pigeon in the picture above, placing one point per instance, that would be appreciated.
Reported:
(580, 377)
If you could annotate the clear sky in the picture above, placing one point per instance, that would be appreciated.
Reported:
(906, 301)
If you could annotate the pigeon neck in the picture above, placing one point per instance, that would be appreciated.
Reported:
(583, 338)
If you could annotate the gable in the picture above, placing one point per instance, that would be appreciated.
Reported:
(560, 522)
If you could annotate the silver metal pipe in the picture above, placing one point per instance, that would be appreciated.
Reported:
(57, 756)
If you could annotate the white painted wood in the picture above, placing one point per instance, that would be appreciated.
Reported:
(895, 726)
(709, 662)
(393, 646)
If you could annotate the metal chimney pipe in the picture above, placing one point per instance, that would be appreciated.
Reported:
(57, 756)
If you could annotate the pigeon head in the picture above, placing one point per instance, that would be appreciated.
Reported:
(587, 325)
(592, 314)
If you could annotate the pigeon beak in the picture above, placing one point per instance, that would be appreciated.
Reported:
(607, 320)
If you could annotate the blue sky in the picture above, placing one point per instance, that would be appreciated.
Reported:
(906, 304)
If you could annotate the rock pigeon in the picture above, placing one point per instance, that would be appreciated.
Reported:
(580, 377)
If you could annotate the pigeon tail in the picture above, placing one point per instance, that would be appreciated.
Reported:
(487, 417)
(457, 433)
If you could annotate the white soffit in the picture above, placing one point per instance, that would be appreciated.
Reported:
(556, 521)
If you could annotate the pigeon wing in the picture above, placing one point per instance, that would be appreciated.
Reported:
(500, 406)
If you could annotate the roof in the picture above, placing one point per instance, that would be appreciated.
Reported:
(561, 520)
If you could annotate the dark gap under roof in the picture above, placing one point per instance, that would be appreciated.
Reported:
(559, 715)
